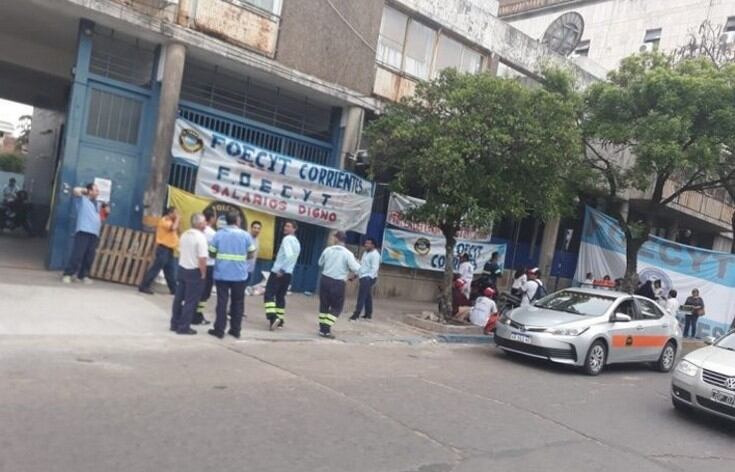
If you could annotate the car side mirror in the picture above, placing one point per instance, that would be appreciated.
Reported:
(621, 318)
(709, 340)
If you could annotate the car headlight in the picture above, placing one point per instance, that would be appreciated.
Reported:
(567, 331)
(687, 368)
(504, 319)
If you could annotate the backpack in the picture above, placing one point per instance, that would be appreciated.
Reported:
(540, 292)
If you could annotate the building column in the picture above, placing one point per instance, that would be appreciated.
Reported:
(174, 56)
(548, 246)
(351, 123)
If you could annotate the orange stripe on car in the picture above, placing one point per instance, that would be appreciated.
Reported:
(622, 341)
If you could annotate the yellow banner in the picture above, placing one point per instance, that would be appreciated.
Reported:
(188, 204)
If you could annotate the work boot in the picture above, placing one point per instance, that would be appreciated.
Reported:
(327, 335)
(354, 317)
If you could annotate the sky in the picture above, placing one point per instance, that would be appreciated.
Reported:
(11, 111)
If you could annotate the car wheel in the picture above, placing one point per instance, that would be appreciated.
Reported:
(595, 359)
(667, 359)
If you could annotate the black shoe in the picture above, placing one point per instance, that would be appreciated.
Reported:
(145, 290)
(215, 333)
(354, 317)
(234, 334)
(187, 332)
(202, 322)
(367, 318)
(326, 335)
(172, 328)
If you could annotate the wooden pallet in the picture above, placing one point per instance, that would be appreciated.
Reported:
(123, 255)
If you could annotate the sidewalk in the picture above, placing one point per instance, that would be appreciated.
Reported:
(38, 304)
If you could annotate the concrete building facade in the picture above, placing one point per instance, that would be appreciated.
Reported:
(615, 29)
(108, 79)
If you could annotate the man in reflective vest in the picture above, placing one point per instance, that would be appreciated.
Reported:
(233, 250)
(336, 264)
(274, 299)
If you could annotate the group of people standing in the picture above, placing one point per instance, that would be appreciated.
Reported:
(225, 259)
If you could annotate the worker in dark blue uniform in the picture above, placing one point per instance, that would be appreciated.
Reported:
(233, 250)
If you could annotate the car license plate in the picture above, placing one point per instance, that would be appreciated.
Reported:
(522, 338)
(724, 398)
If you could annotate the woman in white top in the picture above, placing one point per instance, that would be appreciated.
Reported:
(519, 278)
(466, 273)
(672, 303)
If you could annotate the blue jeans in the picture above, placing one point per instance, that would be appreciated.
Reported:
(365, 298)
(82, 254)
(164, 260)
(690, 321)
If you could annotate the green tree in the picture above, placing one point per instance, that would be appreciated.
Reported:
(11, 163)
(24, 135)
(478, 148)
(657, 121)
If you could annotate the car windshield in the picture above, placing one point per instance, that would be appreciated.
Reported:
(727, 342)
(578, 303)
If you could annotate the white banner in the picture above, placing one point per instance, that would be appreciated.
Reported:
(678, 267)
(242, 174)
(425, 251)
(422, 246)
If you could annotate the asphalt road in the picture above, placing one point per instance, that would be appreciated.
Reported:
(163, 403)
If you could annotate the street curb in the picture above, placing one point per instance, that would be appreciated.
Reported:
(464, 338)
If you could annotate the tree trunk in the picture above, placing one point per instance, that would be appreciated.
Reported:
(632, 246)
(447, 285)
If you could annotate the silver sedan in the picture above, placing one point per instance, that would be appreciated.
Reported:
(591, 328)
(705, 379)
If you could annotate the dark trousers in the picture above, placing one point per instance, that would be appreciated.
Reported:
(82, 254)
(226, 291)
(188, 292)
(274, 299)
(331, 302)
(365, 297)
(164, 260)
(690, 322)
(206, 293)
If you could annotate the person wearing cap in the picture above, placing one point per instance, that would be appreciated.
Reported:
(336, 263)
(531, 288)
(480, 313)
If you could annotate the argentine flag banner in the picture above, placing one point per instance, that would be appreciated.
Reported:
(678, 266)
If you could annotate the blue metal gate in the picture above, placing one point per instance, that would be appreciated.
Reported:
(274, 139)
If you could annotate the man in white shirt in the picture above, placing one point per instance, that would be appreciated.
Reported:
(368, 274)
(480, 312)
(530, 287)
(336, 264)
(191, 275)
(466, 273)
(672, 303)
(255, 228)
(210, 229)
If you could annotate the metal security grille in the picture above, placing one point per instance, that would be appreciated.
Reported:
(114, 117)
(246, 97)
(122, 58)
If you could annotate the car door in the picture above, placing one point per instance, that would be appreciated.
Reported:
(652, 330)
(622, 333)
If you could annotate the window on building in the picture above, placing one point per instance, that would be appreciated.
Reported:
(272, 6)
(583, 48)
(392, 36)
(419, 50)
(451, 53)
(652, 39)
(114, 117)
(730, 24)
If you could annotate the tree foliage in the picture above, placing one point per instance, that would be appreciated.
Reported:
(674, 118)
(11, 163)
(478, 148)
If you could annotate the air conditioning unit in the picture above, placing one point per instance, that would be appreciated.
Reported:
(645, 48)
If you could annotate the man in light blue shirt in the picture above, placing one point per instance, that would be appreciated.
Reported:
(276, 288)
(86, 233)
(336, 263)
(233, 250)
(368, 274)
